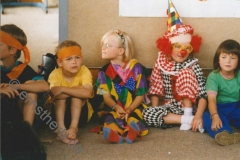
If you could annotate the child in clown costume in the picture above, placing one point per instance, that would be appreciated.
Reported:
(178, 78)
(122, 82)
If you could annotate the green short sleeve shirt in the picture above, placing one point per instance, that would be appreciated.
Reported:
(227, 90)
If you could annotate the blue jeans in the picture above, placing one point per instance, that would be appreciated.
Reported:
(229, 114)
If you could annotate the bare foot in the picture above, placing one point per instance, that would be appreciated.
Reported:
(68, 141)
(63, 137)
(72, 133)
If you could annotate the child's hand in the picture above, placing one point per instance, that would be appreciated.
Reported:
(196, 122)
(127, 114)
(55, 91)
(7, 90)
(120, 112)
(3, 85)
(216, 123)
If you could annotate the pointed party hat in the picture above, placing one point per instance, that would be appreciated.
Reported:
(177, 32)
(174, 20)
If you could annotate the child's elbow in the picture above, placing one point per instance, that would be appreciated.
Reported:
(89, 93)
(45, 87)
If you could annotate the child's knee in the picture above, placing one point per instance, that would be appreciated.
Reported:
(33, 95)
(187, 102)
(60, 102)
(77, 101)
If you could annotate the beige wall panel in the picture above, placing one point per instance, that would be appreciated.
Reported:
(88, 20)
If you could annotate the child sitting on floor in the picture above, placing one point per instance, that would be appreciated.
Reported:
(72, 82)
(177, 78)
(122, 82)
(223, 86)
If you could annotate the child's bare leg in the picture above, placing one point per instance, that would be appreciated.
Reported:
(62, 134)
(60, 108)
(29, 106)
(187, 103)
(171, 118)
(76, 108)
(187, 116)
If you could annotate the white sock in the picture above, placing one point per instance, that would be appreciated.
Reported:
(185, 127)
(188, 111)
(186, 122)
(186, 119)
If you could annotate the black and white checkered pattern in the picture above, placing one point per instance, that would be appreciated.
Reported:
(153, 116)
(177, 67)
(201, 81)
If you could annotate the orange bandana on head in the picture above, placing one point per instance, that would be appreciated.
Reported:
(11, 41)
(69, 51)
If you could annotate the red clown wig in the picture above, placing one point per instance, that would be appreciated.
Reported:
(165, 45)
(177, 33)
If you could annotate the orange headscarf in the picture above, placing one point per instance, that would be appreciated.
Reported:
(11, 41)
(68, 51)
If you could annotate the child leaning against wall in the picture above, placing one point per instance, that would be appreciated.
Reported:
(21, 76)
(223, 89)
(18, 78)
(70, 87)
(123, 84)
(177, 78)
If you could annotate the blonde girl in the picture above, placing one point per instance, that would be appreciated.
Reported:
(122, 82)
